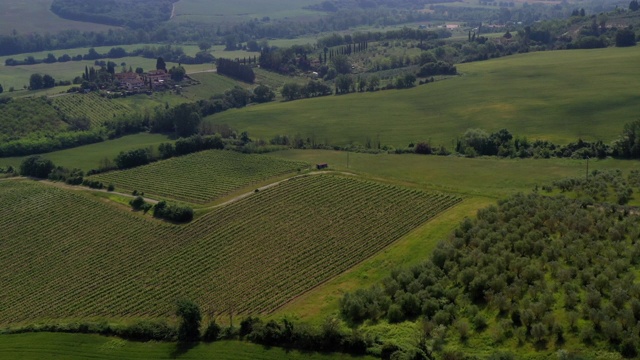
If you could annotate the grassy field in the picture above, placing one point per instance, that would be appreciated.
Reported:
(46, 346)
(558, 96)
(15, 13)
(89, 156)
(210, 84)
(217, 11)
(98, 109)
(483, 177)
(201, 177)
(85, 258)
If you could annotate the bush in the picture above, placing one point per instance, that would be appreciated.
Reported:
(36, 166)
(172, 212)
(212, 332)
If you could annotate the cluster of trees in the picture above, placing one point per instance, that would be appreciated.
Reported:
(141, 14)
(163, 210)
(285, 60)
(168, 52)
(437, 68)
(38, 81)
(502, 143)
(405, 33)
(523, 262)
(51, 142)
(598, 186)
(235, 70)
(172, 212)
(293, 91)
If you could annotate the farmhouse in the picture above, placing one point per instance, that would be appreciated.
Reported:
(130, 81)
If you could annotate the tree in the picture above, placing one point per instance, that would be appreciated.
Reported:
(36, 166)
(633, 5)
(139, 71)
(160, 64)
(625, 37)
(291, 91)
(341, 64)
(177, 73)
(189, 329)
(48, 81)
(1, 89)
(35, 82)
(204, 45)
(262, 93)
(343, 84)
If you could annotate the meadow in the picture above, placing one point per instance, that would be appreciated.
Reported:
(85, 258)
(89, 156)
(16, 13)
(558, 96)
(46, 346)
(200, 177)
(217, 11)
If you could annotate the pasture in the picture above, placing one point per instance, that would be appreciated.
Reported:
(35, 16)
(558, 96)
(200, 177)
(46, 346)
(480, 177)
(225, 12)
(85, 258)
(89, 156)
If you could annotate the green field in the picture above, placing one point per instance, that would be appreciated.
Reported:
(22, 117)
(46, 346)
(481, 177)
(93, 106)
(34, 16)
(89, 156)
(217, 11)
(555, 95)
(210, 84)
(85, 258)
(200, 177)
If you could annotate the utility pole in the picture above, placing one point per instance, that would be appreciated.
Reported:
(587, 168)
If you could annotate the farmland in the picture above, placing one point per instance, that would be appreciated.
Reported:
(79, 346)
(15, 15)
(96, 108)
(201, 177)
(22, 117)
(531, 95)
(132, 267)
(216, 11)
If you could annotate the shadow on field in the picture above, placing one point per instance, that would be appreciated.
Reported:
(182, 348)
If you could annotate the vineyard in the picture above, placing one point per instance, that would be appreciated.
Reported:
(21, 117)
(93, 106)
(85, 258)
(200, 177)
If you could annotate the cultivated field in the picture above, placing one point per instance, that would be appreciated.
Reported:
(46, 346)
(200, 177)
(35, 16)
(84, 258)
(25, 116)
(558, 96)
(93, 106)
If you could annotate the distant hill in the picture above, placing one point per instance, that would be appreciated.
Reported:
(558, 96)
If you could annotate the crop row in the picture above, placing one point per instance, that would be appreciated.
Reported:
(65, 254)
(96, 108)
(200, 177)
